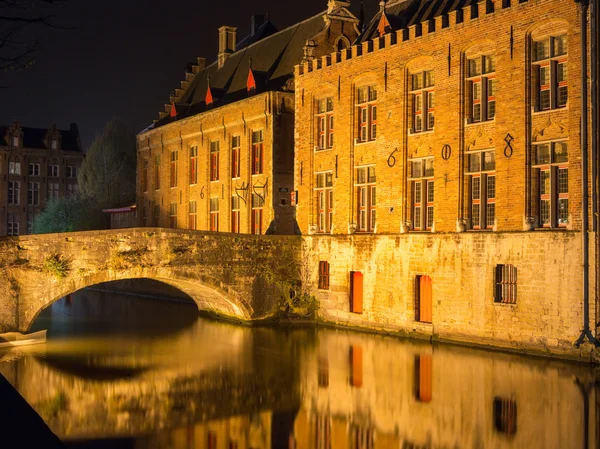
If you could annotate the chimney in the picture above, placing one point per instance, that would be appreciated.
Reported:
(227, 43)
(256, 21)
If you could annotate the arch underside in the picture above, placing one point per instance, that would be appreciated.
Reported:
(206, 297)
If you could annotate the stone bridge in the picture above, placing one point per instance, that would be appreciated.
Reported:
(238, 276)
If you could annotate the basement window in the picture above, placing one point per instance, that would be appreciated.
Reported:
(506, 284)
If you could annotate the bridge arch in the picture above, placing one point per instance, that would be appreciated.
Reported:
(206, 293)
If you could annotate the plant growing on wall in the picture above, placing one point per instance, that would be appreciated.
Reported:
(56, 265)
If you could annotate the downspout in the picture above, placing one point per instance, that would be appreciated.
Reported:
(594, 106)
(583, 9)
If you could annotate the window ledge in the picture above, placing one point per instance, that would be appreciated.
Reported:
(320, 150)
(358, 143)
(482, 122)
(512, 305)
(549, 111)
(420, 133)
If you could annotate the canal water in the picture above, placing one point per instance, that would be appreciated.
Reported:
(120, 371)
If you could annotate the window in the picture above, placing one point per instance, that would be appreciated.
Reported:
(54, 144)
(53, 170)
(257, 152)
(53, 190)
(235, 157)
(33, 194)
(325, 123)
(192, 222)
(256, 219)
(550, 72)
(482, 88)
(34, 169)
(14, 167)
(30, 224)
(15, 140)
(365, 192)
(214, 161)
(506, 284)
(157, 172)
(324, 191)
(422, 193)
(14, 192)
(367, 113)
(156, 218)
(71, 171)
(551, 170)
(482, 188)
(323, 275)
(235, 213)
(12, 225)
(193, 165)
(505, 416)
(173, 168)
(214, 214)
(173, 215)
(145, 175)
(71, 189)
(422, 97)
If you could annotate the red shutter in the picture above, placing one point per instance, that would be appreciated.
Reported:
(356, 292)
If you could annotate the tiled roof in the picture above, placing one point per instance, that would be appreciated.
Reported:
(272, 57)
(404, 13)
(34, 138)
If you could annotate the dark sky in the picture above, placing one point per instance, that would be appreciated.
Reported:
(125, 56)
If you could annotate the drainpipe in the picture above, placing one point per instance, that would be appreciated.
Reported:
(594, 108)
(583, 9)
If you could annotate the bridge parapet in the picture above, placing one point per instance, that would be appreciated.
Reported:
(239, 276)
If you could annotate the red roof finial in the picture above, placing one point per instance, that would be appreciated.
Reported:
(173, 112)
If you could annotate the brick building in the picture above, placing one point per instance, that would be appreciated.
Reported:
(220, 157)
(458, 130)
(36, 164)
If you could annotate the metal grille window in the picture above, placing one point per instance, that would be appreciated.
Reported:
(366, 195)
(192, 222)
(323, 275)
(505, 416)
(173, 215)
(367, 113)
(33, 194)
(256, 219)
(235, 213)
(257, 152)
(214, 214)
(324, 192)
(34, 169)
(145, 175)
(173, 168)
(12, 225)
(14, 192)
(235, 157)
(214, 161)
(193, 165)
(550, 72)
(324, 118)
(551, 169)
(422, 193)
(506, 284)
(482, 188)
(482, 88)
(157, 172)
(422, 96)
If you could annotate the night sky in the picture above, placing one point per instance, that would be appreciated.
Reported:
(123, 57)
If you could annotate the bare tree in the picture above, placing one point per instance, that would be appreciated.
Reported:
(17, 20)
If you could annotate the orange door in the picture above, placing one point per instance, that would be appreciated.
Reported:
(356, 292)
(425, 301)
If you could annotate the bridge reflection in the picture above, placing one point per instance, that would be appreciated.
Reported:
(215, 385)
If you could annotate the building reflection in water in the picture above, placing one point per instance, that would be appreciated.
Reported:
(219, 386)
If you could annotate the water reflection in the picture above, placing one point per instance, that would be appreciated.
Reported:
(215, 385)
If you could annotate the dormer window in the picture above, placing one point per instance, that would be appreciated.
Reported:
(54, 144)
(15, 140)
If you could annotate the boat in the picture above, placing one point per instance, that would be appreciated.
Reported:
(11, 339)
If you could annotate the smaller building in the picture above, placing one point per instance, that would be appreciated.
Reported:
(36, 164)
(122, 217)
